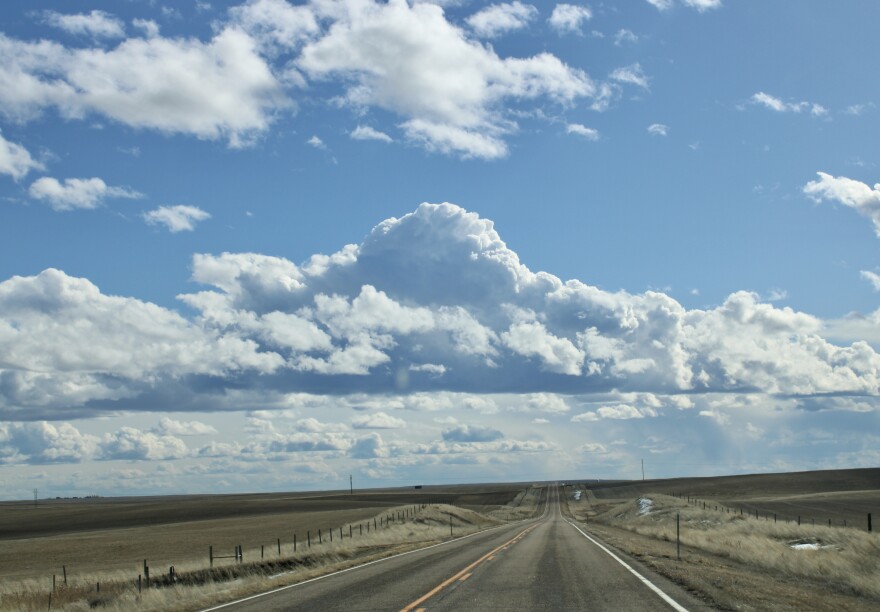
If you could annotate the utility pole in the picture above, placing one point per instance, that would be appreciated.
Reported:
(35, 497)
(643, 469)
(350, 485)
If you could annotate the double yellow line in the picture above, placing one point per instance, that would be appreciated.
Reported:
(466, 572)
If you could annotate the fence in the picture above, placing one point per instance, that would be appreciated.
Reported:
(284, 550)
(694, 501)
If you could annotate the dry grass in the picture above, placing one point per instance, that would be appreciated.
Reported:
(198, 586)
(847, 560)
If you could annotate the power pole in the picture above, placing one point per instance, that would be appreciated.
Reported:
(643, 469)
(350, 485)
(35, 497)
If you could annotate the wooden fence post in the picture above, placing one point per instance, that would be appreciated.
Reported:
(211, 555)
(64, 569)
(262, 551)
(869, 522)
(279, 547)
(677, 537)
(146, 573)
(294, 542)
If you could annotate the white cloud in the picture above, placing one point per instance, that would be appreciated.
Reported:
(132, 444)
(180, 218)
(871, 277)
(149, 27)
(41, 442)
(703, 5)
(471, 433)
(277, 24)
(858, 109)
(377, 420)
(147, 83)
(658, 129)
(568, 18)
(15, 160)
(849, 192)
(77, 193)
(632, 74)
(369, 447)
(449, 139)
(168, 426)
(625, 36)
(448, 89)
(434, 369)
(775, 104)
(546, 402)
(316, 142)
(582, 130)
(65, 342)
(365, 132)
(98, 24)
(557, 354)
(436, 286)
(498, 19)
(619, 412)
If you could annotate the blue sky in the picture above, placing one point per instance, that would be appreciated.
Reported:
(660, 242)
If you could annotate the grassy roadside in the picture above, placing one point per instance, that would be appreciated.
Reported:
(741, 563)
(197, 586)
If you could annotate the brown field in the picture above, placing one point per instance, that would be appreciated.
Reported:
(839, 495)
(117, 534)
(107, 540)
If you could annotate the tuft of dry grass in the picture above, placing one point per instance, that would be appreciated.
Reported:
(846, 559)
(198, 586)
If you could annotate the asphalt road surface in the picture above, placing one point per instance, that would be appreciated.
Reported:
(543, 564)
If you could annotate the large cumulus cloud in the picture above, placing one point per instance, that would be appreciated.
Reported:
(437, 286)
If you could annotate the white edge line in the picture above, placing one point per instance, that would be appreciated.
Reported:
(647, 582)
(348, 569)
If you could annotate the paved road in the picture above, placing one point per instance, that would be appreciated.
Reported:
(544, 564)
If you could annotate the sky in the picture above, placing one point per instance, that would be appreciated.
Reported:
(264, 246)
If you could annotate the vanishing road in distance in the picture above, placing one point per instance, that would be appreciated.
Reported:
(542, 564)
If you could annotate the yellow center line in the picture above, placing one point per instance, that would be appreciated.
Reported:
(465, 577)
(466, 570)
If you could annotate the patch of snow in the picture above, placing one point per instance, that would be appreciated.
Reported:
(808, 545)
(646, 506)
(577, 496)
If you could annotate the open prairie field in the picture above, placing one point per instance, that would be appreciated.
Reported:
(839, 495)
(117, 534)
